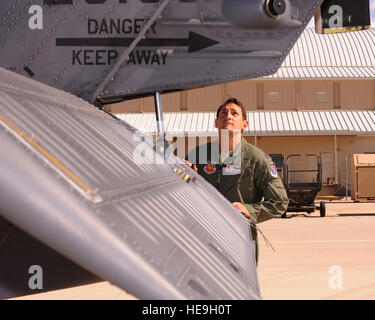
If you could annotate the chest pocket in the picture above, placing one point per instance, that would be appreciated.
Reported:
(247, 186)
(229, 186)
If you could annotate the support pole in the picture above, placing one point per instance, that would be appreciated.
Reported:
(336, 159)
(160, 135)
(159, 114)
(346, 177)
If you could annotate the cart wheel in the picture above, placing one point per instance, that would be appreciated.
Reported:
(322, 209)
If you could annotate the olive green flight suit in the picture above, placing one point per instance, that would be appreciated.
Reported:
(253, 181)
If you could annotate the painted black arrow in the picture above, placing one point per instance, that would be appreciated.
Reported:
(195, 42)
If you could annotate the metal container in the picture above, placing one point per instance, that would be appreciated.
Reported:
(362, 177)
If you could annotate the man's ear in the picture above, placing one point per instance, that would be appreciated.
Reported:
(216, 123)
(245, 123)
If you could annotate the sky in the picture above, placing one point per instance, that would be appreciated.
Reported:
(372, 14)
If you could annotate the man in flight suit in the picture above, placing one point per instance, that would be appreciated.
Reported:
(244, 174)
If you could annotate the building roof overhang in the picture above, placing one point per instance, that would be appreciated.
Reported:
(262, 123)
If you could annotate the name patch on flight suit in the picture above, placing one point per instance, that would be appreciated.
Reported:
(210, 167)
(232, 169)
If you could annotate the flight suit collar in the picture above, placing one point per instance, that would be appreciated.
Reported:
(244, 154)
(234, 157)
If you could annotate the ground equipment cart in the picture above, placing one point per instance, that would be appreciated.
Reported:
(302, 178)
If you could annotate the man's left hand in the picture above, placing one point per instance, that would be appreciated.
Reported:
(242, 208)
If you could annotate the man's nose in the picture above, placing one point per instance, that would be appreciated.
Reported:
(229, 115)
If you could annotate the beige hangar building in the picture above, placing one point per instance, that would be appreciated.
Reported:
(321, 101)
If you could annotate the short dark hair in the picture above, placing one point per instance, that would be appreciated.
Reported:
(236, 102)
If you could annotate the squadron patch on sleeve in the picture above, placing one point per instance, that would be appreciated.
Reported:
(273, 169)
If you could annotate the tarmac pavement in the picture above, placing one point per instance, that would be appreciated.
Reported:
(320, 258)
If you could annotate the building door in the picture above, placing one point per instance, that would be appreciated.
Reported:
(328, 168)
